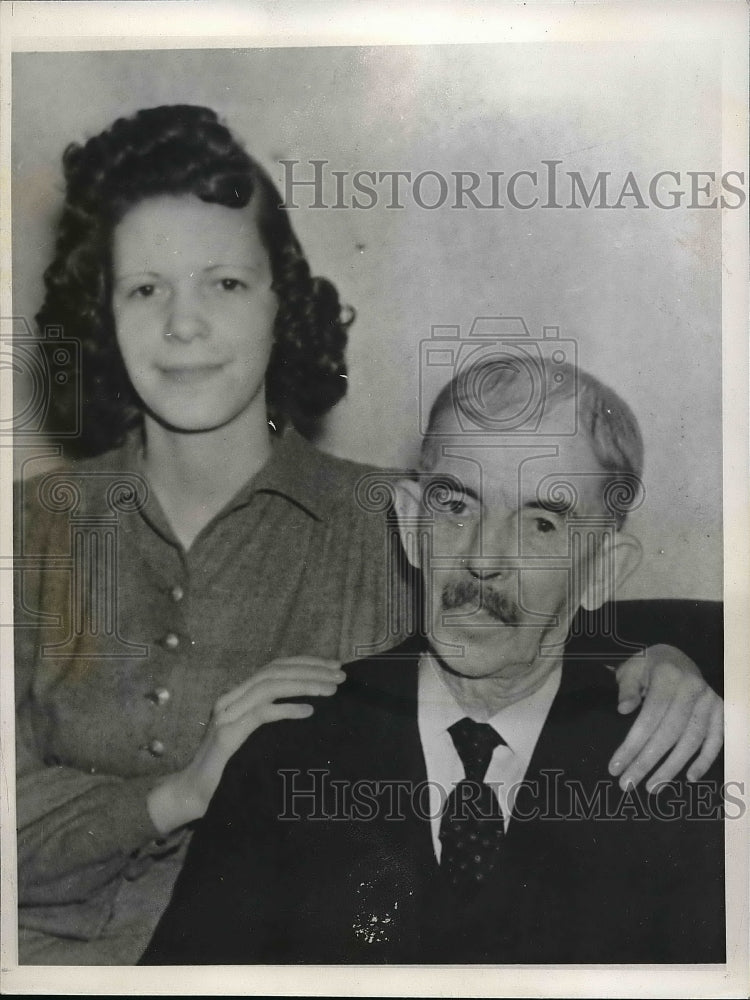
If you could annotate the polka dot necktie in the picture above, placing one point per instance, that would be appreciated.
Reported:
(471, 827)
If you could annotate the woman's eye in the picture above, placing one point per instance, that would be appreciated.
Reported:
(231, 284)
(143, 292)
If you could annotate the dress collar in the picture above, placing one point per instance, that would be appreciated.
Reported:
(296, 470)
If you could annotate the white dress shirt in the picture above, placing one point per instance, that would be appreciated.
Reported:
(519, 725)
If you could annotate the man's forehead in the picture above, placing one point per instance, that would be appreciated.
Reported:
(492, 458)
(513, 471)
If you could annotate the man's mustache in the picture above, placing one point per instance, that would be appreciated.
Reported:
(480, 595)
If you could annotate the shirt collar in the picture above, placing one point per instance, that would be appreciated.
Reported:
(519, 724)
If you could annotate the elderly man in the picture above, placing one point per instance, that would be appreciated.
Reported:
(451, 804)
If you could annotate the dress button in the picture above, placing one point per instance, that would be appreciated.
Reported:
(171, 641)
(159, 696)
(177, 593)
(156, 748)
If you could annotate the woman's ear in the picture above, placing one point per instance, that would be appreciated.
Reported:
(618, 556)
(408, 511)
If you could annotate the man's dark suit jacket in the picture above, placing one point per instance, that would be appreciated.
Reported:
(588, 874)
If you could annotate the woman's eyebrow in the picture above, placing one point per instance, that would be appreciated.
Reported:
(127, 275)
(244, 266)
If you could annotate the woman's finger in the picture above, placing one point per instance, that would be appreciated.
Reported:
(631, 681)
(638, 736)
(244, 725)
(713, 743)
(669, 689)
(316, 661)
(229, 736)
(667, 734)
(299, 674)
(299, 671)
(268, 693)
(686, 747)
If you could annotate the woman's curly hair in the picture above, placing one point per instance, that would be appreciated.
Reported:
(178, 150)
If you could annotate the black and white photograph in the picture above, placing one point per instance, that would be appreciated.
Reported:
(375, 477)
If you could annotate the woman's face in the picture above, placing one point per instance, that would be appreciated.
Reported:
(194, 310)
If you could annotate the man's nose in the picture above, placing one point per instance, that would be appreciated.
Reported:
(495, 549)
(186, 319)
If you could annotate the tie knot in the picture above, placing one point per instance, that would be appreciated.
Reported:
(475, 743)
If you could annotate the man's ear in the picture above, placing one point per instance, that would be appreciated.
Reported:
(618, 556)
(408, 509)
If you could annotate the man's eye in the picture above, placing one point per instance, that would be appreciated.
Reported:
(452, 505)
(544, 526)
(231, 284)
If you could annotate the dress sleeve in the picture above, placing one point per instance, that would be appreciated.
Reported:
(77, 832)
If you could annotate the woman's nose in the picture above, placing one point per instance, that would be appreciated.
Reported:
(186, 319)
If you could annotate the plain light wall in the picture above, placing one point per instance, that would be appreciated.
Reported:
(639, 290)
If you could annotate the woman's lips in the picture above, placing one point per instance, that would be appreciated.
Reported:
(190, 373)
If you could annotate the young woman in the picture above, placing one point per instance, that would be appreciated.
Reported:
(200, 539)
